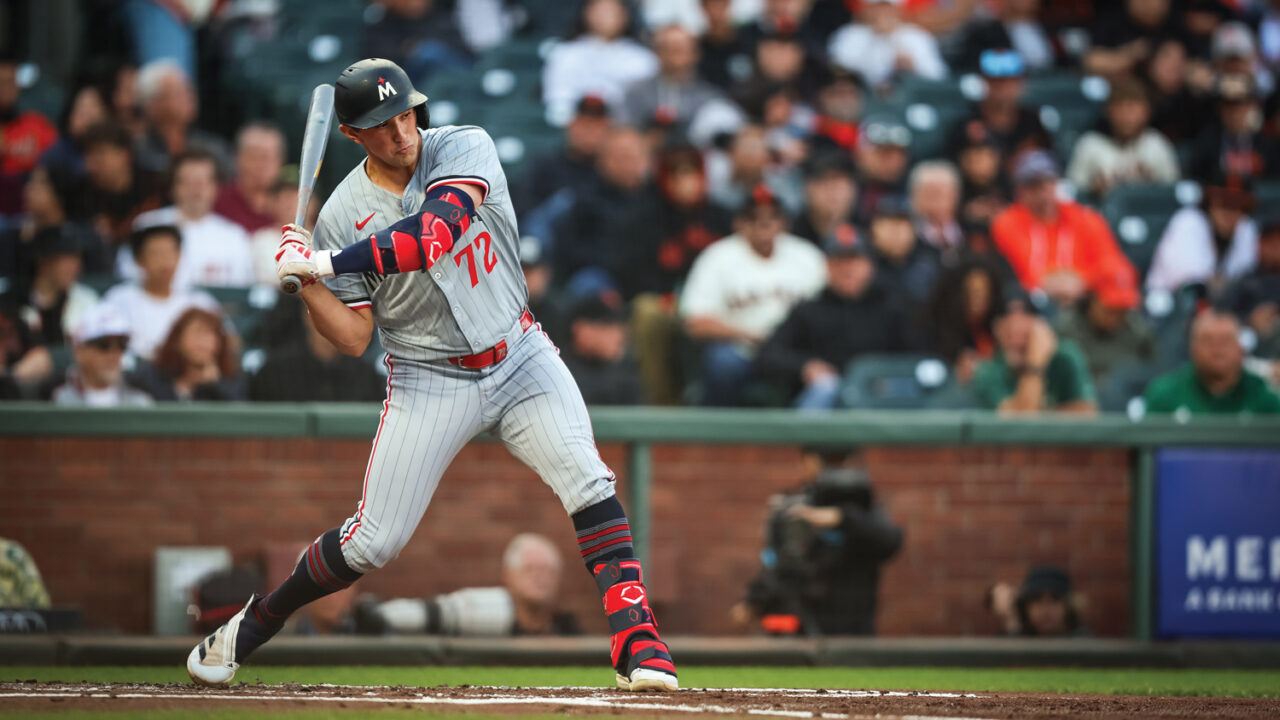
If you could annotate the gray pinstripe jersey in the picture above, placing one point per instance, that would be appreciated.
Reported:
(466, 302)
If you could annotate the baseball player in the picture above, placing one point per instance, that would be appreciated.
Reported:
(420, 241)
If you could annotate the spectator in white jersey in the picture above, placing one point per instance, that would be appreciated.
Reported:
(599, 57)
(883, 46)
(741, 287)
(215, 251)
(152, 303)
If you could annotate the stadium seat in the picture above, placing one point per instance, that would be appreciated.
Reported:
(1138, 215)
(892, 382)
(1169, 315)
(1125, 382)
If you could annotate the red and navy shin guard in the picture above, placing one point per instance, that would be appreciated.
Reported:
(635, 642)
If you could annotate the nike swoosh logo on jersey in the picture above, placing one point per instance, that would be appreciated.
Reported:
(360, 225)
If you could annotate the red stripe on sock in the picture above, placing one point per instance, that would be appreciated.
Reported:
(593, 536)
(603, 545)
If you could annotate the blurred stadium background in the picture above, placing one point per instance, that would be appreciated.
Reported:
(1142, 487)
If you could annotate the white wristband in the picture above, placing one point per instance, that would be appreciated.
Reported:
(324, 262)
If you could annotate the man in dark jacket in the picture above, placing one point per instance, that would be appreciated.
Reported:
(826, 544)
(597, 352)
(854, 315)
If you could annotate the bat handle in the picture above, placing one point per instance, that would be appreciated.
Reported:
(291, 284)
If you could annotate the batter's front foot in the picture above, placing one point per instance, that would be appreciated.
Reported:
(213, 661)
(645, 679)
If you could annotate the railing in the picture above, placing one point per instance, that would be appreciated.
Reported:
(641, 428)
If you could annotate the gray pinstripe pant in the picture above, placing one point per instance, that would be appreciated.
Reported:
(529, 400)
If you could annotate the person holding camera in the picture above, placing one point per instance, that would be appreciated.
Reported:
(825, 545)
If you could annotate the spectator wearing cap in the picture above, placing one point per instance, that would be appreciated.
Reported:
(853, 315)
(1032, 371)
(282, 204)
(1234, 143)
(830, 193)
(586, 248)
(1125, 150)
(1013, 24)
(38, 312)
(1215, 381)
(1129, 33)
(116, 188)
(1233, 50)
(247, 199)
(1255, 297)
(24, 136)
(539, 195)
(602, 40)
(96, 379)
(52, 301)
(676, 93)
(741, 287)
(215, 251)
(883, 158)
(934, 188)
(724, 51)
(597, 352)
(837, 110)
(1057, 246)
(170, 108)
(1108, 328)
(1043, 606)
(984, 184)
(1012, 128)
(1213, 244)
(903, 264)
(154, 301)
(305, 367)
(883, 46)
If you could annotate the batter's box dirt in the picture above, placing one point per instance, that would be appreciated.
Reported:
(741, 702)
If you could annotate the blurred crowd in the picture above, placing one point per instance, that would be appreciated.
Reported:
(807, 203)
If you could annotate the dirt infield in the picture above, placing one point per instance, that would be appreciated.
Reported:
(35, 697)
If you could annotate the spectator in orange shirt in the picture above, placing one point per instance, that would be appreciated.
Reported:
(1060, 247)
(24, 136)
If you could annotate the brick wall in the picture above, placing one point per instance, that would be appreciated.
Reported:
(92, 511)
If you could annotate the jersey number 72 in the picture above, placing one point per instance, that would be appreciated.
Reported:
(487, 255)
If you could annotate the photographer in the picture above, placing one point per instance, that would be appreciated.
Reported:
(825, 545)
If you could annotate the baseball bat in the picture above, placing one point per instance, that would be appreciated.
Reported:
(314, 139)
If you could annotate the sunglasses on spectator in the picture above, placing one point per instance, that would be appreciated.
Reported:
(105, 344)
(881, 134)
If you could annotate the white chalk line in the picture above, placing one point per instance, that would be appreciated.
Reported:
(623, 702)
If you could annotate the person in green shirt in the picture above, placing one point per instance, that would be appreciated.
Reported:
(1032, 371)
(1108, 330)
(1215, 381)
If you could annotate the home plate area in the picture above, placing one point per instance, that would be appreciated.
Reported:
(739, 702)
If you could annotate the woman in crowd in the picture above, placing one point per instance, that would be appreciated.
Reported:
(196, 362)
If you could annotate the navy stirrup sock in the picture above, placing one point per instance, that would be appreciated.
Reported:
(321, 571)
(603, 533)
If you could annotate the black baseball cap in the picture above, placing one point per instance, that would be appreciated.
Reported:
(847, 241)
(892, 206)
(1045, 579)
(825, 163)
(593, 105)
(603, 307)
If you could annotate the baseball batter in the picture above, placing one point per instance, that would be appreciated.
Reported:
(420, 241)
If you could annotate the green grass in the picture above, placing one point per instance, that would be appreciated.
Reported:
(1209, 683)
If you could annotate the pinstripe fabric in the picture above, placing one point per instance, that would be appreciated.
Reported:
(440, 313)
(465, 304)
(529, 401)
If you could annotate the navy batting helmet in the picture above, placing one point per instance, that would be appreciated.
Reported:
(372, 91)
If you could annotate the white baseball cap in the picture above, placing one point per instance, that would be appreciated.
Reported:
(102, 321)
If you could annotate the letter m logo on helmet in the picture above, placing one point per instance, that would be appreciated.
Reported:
(385, 89)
